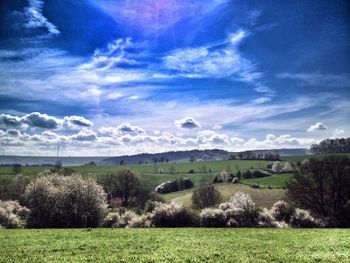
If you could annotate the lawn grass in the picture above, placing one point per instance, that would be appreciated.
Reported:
(262, 197)
(175, 245)
(273, 181)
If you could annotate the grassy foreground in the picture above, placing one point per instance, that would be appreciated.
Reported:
(175, 245)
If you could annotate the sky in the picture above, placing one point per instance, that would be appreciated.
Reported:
(123, 77)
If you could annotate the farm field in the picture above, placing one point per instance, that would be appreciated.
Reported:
(175, 245)
(151, 174)
(300, 158)
(274, 181)
(262, 197)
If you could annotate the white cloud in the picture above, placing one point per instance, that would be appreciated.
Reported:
(187, 123)
(338, 132)
(85, 135)
(219, 60)
(150, 18)
(39, 120)
(13, 132)
(319, 79)
(128, 128)
(35, 18)
(43, 121)
(319, 126)
(77, 121)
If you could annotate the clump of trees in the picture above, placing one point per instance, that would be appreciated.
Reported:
(206, 196)
(251, 155)
(174, 186)
(331, 146)
(323, 187)
(254, 174)
(127, 187)
(65, 201)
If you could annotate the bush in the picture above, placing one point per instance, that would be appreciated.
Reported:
(111, 220)
(303, 218)
(14, 190)
(282, 211)
(171, 215)
(12, 214)
(140, 221)
(277, 167)
(206, 196)
(242, 210)
(266, 219)
(212, 218)
(59, 201)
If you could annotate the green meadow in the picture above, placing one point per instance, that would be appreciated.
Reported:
(175, 245)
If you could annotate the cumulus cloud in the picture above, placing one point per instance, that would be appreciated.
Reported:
(39, 120)
(319, 126)
(13, 132)
(77, 121)
(187, 123)
(43, 121)
(124, 128)
(128, 128)
(84, 136)
(7, 120)
(34, 119)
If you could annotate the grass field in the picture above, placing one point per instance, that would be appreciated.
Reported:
(303, 157)
(262, 197)
(274, 181)
(175, 245)
(151, 174)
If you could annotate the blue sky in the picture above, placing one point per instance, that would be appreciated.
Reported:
(148, 76)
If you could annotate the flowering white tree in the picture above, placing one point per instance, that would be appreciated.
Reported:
(277, 167)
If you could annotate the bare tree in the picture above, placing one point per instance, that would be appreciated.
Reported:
(323, 186)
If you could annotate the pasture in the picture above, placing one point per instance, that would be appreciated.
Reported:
(151, 174)
(175, 245)
(262, 197)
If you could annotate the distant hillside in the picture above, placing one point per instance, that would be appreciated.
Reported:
(178, 156)
(286, 152)
(43, 160)
(184, 156)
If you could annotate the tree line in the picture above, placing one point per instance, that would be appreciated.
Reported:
(331, 146)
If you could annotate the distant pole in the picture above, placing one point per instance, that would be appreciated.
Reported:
(58, 149)
(109, 152)
(3, 152)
